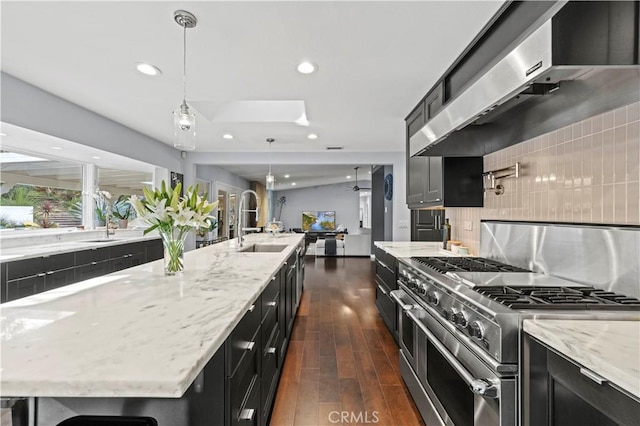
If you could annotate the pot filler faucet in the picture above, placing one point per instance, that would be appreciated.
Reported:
(241, 215)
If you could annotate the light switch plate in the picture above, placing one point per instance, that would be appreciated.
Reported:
(403, 224)
(468, 225)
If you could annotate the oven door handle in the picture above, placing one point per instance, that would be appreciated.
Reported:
(487, 388)
(397, 296)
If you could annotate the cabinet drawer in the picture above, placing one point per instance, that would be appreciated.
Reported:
(244, 392)
(58, 262)
(270, 323)
(126, 249)
(154, 250)
(24, 268)
(92, 270)
(270, 374)
(24, 287)
(270, 296)
(85, 257)
(244, 338)
(386, 274)
(60, 278)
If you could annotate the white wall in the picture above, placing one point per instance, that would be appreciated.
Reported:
(345, 202)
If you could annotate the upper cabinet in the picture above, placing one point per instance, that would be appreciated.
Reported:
(444, 182)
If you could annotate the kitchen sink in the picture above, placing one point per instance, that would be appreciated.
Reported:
(263, 248)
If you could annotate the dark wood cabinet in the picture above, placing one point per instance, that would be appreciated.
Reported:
(444, 182)
(416, 119)
(26, 277)
(386, 282)
(426, 225)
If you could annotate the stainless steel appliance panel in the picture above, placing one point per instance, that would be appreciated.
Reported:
(600, 256)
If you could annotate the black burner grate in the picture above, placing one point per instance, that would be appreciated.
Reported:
(530, 297)
(466, 264)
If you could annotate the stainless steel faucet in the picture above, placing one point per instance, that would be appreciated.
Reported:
(241, 214)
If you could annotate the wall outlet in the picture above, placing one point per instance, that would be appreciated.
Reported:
(468, 225)
(403, 224)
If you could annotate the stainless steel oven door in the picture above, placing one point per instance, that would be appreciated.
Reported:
(406, 327)
(462, 389)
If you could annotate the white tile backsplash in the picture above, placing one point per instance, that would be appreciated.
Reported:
(585, 172)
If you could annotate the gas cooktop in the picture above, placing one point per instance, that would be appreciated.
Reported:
(571, 298)
(466, 264)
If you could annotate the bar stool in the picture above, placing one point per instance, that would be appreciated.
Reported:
(109, 421)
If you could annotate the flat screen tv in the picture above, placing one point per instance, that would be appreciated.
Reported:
(319, 221)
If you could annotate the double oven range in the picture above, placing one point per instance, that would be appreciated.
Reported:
(459, 322)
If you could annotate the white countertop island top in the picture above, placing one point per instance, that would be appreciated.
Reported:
(413, 248)
(136, 332)
(610, 349)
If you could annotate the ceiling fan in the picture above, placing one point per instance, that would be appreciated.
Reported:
(356, 187)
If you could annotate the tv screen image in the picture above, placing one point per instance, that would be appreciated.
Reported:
(319, 221)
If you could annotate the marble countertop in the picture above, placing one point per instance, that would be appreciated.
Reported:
(413, 248)
(51, 244)
(136, 332)
(611, 349)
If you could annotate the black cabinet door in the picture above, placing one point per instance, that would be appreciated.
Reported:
(416, 120)
(417, 176)
(426, 225)
(434, 181)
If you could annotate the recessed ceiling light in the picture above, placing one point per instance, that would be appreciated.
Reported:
(95, 157)
(349, 177)
(312, 136)
(287, 176)
(369, 171)
(55, 147)
(293, 184)
(148, 69)
(227, 136)
(3, 134)
(306, 68)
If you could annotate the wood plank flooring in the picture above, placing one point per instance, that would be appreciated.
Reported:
(342, 363)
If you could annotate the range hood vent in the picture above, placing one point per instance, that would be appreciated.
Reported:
(574, 40)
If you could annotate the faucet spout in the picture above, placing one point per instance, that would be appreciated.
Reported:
(242, 214)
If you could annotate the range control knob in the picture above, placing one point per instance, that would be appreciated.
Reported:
(433, 298)
(449, 314)
(476, 330)
(459, 318)
(423, 288)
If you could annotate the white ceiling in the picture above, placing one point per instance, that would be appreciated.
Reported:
(375, 61)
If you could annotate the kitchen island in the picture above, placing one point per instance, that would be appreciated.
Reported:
(135, 333)
(413, 248)
(583, 372)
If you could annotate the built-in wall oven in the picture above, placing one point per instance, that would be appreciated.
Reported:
(450, 384)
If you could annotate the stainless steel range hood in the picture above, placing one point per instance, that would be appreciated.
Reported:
(543, 60)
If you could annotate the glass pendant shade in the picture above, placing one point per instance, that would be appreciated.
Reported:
(184, 129)
(270, 182)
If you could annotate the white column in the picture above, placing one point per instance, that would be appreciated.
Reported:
(89, 186)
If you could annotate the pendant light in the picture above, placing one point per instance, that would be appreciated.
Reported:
(270, 179)
(184, 121)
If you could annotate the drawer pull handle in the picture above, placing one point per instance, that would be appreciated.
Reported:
(251, 308)
(40, 275)
(273, 278)
(247, 414)
(271, 351)
(249, 346)
(382, 290)
(593, 376)
(50, 273)
(94, 263)
(272, 304)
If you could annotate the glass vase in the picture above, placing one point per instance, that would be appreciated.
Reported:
(173, 243)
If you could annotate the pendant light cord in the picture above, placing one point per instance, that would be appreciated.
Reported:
(184, 64)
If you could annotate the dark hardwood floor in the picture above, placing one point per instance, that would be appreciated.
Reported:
(342, 363)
